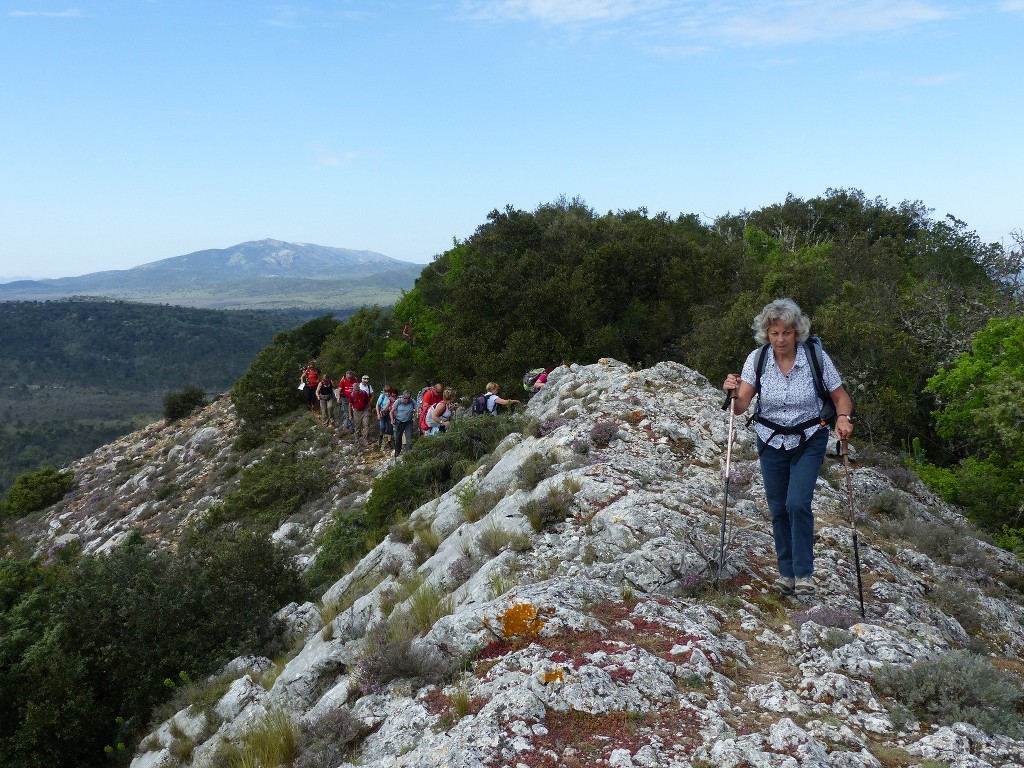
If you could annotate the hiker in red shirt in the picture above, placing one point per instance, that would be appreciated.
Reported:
(309, 380)
(361, 409)
(345, 399)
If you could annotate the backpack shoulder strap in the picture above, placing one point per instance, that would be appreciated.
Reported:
(813, 349)
(762, 357)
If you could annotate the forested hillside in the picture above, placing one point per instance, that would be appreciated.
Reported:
(75, 374)
(895, 294)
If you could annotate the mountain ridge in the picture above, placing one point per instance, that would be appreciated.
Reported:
(264, 273)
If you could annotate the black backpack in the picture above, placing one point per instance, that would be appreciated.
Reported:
(827, 415)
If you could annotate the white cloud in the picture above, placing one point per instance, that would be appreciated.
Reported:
(70, 13)
(560, 11)
(931, 81)
(1012, 6)
(694, 25)
(323, 157)
(288, 16)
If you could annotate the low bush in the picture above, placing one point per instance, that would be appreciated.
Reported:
(179, 403)
(327, 740)
(827, 616)
(476, 503)
(961, 603)
(391, 655)
(603, 432)
(958, 687)
(425, 544)
(550, 509)
(273, 489)
(891, 504)
(33, 491)
(536, 467)
(955, 545)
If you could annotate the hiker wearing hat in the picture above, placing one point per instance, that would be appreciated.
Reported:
(361, 394)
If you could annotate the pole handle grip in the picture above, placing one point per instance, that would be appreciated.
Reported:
(728, 398)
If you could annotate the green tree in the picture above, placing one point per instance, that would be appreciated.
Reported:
(268, 389)
(981, 418)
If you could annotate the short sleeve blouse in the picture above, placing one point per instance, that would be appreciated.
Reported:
(791, 398)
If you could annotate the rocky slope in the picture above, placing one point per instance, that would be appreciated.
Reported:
(557, 606)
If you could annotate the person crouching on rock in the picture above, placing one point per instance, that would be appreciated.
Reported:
(791, 433)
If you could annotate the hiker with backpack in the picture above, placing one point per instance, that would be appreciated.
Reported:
(403, 413)
(489, 401)
(439, 414)
(428, 399)
(799, 396)
(384, 402)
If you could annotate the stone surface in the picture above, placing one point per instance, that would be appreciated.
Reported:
(599, 640)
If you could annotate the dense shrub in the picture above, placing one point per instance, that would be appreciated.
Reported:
(33, 491)
(90, 639)
(958, 687)
(179, 403)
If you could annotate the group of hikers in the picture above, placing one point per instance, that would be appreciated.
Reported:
(799, 399)
(351, 404)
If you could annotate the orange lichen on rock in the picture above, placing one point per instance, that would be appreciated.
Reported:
(553, 676)
(522, 619)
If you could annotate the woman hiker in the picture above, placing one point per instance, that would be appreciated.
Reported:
(791, 436)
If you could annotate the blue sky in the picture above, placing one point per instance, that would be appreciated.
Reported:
(132, 131)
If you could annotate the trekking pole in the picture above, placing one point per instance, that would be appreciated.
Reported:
(728, 476)
(844, 450)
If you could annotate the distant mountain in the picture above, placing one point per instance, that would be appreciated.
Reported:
(263, 274)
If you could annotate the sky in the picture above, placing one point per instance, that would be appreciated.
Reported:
(132, 131)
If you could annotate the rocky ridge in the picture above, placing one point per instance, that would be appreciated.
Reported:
(573, 621)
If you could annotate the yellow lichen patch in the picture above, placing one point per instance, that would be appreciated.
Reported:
(523, 619)
(554, 676)
(635, 417)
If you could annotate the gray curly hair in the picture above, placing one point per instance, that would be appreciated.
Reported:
(788, 313)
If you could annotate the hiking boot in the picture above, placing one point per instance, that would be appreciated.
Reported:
(804, 585)
(784, 585)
